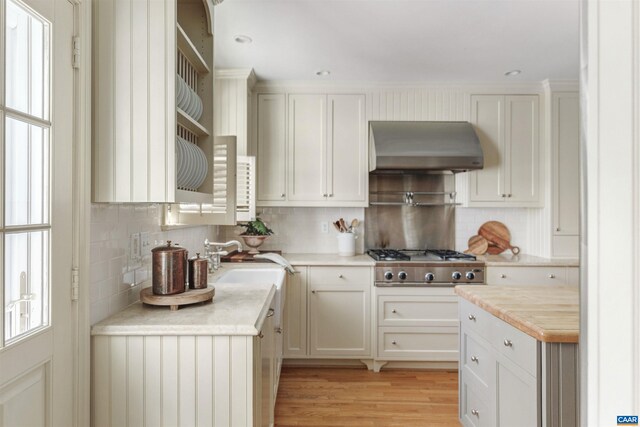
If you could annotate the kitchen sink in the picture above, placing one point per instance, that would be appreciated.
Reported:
(246, 276)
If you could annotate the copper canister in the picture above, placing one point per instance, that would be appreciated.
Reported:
(169, 269)
(198, 269)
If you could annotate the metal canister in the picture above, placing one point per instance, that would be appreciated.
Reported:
(198, 269)
(169, 269)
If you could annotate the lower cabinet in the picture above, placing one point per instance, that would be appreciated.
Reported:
(530, 275)
(417, 324)
(328, 313)
(508, 378)
(154, 380)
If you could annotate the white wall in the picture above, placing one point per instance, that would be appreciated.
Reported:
(610, 284)
(112, 269)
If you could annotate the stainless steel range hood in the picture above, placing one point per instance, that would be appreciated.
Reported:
(423, 146)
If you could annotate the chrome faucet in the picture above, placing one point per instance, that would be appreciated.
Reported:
(213, 251)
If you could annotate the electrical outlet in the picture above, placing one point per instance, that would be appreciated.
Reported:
(144, 242)
(134, 248)
(324, 227)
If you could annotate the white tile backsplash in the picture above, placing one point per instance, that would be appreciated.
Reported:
(115, 275)
(298, 230)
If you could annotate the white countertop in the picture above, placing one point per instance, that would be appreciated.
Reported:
(523, 260)
(329, 259)
(235, 310)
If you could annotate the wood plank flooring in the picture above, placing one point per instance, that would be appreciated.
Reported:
(358, 397)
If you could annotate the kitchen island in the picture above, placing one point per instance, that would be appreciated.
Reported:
(208, 364)
(519, 355)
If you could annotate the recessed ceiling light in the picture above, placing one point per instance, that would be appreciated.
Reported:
(512, 73)
(323, 72)
(243, 39)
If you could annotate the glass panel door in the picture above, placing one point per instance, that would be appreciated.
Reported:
(25, 137)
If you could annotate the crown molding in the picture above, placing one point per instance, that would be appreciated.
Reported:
(561, 85)
(238, 73)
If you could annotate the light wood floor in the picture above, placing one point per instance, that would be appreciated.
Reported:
(358, 397)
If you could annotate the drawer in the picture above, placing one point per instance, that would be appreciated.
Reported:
(573, 276)
(526, 276)
(477, 361)
(417, 310)
(519, 347)
(419, 344)
(474, 318)
(340, 275)
(474, 410)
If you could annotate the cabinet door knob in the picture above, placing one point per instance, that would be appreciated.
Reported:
(508, 343)
(472, 317)
(394, 311)
(279, 330)
(282, 195)
(475, 412)
(261, 335)
(508, 195)
(394, 342)
(313, 292)
(558, 229)
(474, 358)
(271, 312)
(330, 194)
(503, 276)
(324, 195)
(552, 276)
(340, 276)
(503, 195)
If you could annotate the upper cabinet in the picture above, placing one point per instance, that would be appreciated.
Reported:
(134, 110)
(508, 128)
(565, 173)
(154, 106)
(312, 150)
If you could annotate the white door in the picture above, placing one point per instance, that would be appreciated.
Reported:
(523, 149)
(487, 116)
(307, 147)
(347, 167)
(36, 135)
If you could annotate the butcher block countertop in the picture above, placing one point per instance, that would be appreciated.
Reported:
(548, 313)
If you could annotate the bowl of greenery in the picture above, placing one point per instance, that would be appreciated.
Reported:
(256, 232)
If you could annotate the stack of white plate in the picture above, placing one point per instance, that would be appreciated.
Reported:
(192, 165)
(187, 100)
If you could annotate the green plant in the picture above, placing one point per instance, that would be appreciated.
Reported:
(256, 228)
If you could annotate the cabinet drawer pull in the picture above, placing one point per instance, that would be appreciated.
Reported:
(472, 317)
(260, 335)
(474, 359)
(475, 412)
(271, 312)
(394, 311)
(340, 276)
(503, 276)
(552, 276)
(508, 343)
(394, 342)
(279, 330)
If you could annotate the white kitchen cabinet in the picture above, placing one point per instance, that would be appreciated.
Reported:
(565, 175)
(268, 389)
(532, 275)
(417, 324)
(508, 127)
(295, 315)
(508, 378)
(339, 312)
(271, 148)
(324, 150)
(134, 117)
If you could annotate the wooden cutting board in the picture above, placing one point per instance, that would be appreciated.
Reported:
(478, 245)
(191, 296)
(497, 234)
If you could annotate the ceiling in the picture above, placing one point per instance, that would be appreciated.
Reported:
(397, 41)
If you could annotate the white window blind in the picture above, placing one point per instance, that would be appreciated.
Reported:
(246, 190)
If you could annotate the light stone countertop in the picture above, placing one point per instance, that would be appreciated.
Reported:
(547, 313)
(522, 260)
(235, 310)
(362, 260)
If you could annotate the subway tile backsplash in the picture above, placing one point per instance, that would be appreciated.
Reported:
(469, 220)
(116, 273)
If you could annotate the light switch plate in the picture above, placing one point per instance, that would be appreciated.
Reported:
(144, 243)
(134, 248)
(324, 227)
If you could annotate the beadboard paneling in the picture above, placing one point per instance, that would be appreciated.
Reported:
(418, 104)
(147, 381)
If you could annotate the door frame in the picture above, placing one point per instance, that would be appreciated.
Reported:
(82, 216)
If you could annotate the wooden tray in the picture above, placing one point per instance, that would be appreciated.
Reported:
(244, 256)
(191, 296)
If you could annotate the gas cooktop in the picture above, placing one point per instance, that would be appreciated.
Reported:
(419, 255)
